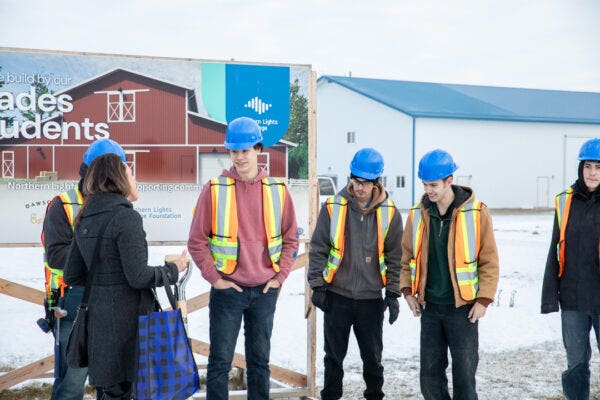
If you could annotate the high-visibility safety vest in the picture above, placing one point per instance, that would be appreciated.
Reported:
(72, 201)
(466, 247)
(562, 203)
(337, 207)
(223, 241)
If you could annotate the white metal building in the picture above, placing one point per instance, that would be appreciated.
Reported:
(516, 148)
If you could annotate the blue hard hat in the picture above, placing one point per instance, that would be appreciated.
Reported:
(367, 163)
(101, 147)
(242, 133)
(437, 164)
(590, 150)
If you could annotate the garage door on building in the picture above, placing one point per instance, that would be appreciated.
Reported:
(212, 164)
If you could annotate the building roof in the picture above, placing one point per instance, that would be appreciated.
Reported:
(439, 100)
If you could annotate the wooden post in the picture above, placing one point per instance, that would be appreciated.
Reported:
(313, 204)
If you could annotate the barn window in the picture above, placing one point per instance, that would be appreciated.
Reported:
(351, 137)
(121, 106)
(263, 161)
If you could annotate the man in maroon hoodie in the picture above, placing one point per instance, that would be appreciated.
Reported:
(245, 253)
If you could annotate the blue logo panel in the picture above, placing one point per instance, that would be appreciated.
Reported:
(261, 93)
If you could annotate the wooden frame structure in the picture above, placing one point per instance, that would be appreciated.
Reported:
(300, 382)
(302, 386)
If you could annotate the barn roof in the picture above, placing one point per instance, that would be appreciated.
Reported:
(439, 100)
(190, 91)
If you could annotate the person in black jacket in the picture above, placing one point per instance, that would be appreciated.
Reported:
(572, 276)
(348, 270)
(120, 288)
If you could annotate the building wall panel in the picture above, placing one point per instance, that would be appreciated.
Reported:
(508, 164)
(202, 131)
(164, 164)
(373, 125)
(68, 160)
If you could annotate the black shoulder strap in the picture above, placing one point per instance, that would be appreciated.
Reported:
(168, 288)
(90, 275)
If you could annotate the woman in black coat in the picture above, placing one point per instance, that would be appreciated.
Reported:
(120, 289)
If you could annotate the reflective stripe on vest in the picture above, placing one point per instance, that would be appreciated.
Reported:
(384, 213)
(417, 237)
(274, 195)
(72, 201)
(562, 203)
(223, 242)
(466, 248)
(337, 207)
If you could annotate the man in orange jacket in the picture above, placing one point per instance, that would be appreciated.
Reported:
(449, 276)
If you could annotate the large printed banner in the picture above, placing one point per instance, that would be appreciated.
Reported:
(169, 115)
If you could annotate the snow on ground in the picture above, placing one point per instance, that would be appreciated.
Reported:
(521, 353)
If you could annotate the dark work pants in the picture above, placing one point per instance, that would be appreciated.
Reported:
(576, 327)
(118, 391)
(446, 327)
(365, 317)
(227, 307)
(69, 382)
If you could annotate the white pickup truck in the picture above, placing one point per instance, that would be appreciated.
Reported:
(327, 188)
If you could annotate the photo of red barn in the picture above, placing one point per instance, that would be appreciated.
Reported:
(157, 122)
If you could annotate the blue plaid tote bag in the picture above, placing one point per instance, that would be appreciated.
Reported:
(166, 368)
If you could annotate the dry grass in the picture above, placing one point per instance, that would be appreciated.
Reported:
(521, 374)
(37, 391)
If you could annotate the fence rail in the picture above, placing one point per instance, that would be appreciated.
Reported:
(301, 385)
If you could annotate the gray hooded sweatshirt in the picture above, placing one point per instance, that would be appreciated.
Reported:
(358, 275)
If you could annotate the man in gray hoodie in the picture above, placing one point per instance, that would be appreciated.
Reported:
(355, 253)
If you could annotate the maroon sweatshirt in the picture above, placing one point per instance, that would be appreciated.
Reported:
(254, 265)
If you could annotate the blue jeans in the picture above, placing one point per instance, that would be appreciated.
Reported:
(68, 382)
(227, 307)
(576, 326)
(365, 317)
(443, 327)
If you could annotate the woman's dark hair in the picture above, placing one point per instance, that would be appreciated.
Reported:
(106, 174)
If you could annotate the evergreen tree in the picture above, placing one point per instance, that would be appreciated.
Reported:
(298, 133)
(3, 115)
(40, 89)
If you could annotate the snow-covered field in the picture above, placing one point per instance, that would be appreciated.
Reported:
(521, 354)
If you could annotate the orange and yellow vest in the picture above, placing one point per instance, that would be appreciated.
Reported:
(562, 203)
(466, 247)
(223, 241)
(72, 201)
(337, 207)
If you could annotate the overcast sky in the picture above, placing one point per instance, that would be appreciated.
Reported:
(553, 44)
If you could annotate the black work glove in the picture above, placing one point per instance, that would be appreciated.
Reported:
(391, 302)
(319, 298)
